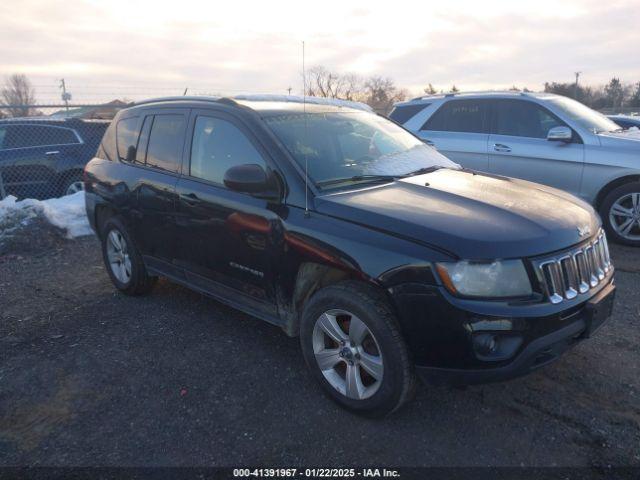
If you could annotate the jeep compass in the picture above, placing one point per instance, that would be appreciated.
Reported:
(388, 260)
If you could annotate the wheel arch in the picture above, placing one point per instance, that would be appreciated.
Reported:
(311, 278)
(612, 185)
(103, 212)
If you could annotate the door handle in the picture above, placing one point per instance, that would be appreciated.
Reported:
(190, 199)
(501, 147)
(54, 152)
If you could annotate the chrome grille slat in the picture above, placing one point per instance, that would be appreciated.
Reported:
(566, 275)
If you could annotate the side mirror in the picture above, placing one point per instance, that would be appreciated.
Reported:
(560, 134)
(252, 179)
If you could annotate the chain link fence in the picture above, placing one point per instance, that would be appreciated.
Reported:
(43, 155)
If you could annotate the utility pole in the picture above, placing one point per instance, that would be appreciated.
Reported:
(65, 95)
(575, 89)
(289, 90)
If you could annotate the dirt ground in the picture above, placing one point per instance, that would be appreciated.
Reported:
(91, 377)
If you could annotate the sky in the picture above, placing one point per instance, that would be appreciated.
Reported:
(108, 48)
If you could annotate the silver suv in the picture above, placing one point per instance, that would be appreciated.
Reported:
(539, 137)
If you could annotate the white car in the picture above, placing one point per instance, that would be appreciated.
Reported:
(540, 137)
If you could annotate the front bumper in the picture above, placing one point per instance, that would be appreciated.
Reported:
(544, 339)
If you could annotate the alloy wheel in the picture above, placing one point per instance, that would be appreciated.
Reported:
(624, 216)
(347, 354)
(75, 187)
(118, 255)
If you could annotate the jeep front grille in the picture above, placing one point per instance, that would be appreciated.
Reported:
(567, 274)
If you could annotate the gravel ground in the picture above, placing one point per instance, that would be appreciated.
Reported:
(91, 377)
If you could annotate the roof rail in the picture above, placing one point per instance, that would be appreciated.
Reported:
(176, 99)
(477, 92)
(260, 98)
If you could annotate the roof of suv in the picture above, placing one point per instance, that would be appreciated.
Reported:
(484, 94)
(270, 103)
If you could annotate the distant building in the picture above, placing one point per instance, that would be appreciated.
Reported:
(105, 111)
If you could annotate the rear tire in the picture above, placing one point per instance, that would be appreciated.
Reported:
(620, 212)
(352, 344)
(122, 260)
(71, 183)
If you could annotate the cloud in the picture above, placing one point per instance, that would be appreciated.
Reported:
(145, 48)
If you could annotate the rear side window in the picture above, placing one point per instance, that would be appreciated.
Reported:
(3, 132)
(143, 140)
(127, 135)
(403, 113)
(26, 136)
(520, 118)
(217, 146)
(166, 140)
(108, 148)
(468, 116)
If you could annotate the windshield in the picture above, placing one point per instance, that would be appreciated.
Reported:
(354, 147)
(584, 116)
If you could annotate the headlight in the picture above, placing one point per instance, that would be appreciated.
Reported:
(502, 278)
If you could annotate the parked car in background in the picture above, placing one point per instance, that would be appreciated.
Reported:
(626, 121)
(43, 158)
(387, 259)
(540, 137)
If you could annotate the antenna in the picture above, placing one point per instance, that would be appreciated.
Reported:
(304, 113)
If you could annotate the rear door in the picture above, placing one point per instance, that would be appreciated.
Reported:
(152, 142)
(459, 130)
(518, 146)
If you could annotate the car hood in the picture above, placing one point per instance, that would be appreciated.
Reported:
(470, 215)
(627, 138)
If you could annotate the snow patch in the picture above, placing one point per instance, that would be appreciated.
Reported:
(67, 213)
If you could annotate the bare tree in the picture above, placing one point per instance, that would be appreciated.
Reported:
(324, 83)
(17, 90)
(381, 93)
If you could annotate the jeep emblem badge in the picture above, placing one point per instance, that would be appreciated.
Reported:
(583, 231)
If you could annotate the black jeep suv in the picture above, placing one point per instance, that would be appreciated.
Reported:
(387, 259)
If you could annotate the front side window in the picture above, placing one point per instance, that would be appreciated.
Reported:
(520, 118)
(584, 116)
(166, 140)
(346, 147)
(127, 138)
(217, 146)
(465, 116)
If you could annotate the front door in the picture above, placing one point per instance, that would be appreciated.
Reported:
(226, 239)
(518, 146)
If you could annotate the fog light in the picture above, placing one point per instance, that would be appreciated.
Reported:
(485, 343)
(494, 346)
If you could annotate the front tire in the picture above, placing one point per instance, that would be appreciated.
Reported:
(352, 344)
(620, 212)
(122, 260)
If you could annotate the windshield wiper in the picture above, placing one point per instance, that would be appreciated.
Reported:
(423, 170)
(356, 178)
